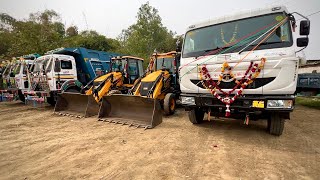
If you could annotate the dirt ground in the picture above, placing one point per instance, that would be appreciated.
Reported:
(36, 144)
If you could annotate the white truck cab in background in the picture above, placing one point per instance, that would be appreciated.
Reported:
(49, 72)
(218, 57)
(21, 79)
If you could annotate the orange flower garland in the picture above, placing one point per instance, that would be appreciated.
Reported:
(250, 75)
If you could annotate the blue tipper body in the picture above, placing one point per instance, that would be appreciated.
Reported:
(88, 61)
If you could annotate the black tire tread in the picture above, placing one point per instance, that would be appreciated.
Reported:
(166, 104)
(196, 116)
(276, 124)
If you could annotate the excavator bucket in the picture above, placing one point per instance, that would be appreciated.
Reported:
(131, 110)
(76, 104)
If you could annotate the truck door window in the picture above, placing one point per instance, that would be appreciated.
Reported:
(66, 64)
(18, 68)
(49, 67)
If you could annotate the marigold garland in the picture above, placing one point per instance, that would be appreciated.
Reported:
(233, 38)
(250, 75)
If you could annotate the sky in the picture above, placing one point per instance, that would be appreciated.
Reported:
(109, 17)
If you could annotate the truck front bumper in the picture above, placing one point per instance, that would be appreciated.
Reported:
(245, 104)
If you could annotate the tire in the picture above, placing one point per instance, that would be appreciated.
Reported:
(21, 96)
(169, 104)
(196, 116)
(276, 124)
(51, 101)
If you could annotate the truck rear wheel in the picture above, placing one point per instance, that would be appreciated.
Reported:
(169, 104)
(275, 124)
(196, 116)
(21, 96)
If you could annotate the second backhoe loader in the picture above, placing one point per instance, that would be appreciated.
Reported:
(152, 95)
(124, 71)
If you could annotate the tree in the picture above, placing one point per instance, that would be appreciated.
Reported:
(147, 34)
(41, 32)
(72, 31)
(92, 40)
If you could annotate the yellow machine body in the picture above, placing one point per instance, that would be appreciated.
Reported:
(88, 103)
(142, 107)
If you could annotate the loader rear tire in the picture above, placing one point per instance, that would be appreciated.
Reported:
(169, 104)
(276, 124)
(196, 116)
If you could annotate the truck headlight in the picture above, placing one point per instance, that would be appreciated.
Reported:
(287, 104)
(188, 100)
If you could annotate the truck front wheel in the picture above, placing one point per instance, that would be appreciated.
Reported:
(196, 116)
(276, 124)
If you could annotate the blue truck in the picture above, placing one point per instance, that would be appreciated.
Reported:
(308, 84)
(65, 69)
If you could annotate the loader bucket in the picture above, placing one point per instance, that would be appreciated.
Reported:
(131, 110)
(76, 104)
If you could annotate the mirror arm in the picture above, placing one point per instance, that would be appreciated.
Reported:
(301, 15)
(301, 49)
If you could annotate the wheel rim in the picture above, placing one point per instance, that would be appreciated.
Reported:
(172, 104)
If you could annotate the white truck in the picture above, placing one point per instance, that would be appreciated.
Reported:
(16, 77)
(21, 79)
(64, 69)
(242, 66)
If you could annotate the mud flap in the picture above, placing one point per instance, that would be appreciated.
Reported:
(131, 110)
(76, 104)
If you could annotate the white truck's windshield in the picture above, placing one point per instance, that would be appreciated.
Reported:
(40, 64)
(199, 42)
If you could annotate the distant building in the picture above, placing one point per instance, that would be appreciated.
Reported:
(312, 66)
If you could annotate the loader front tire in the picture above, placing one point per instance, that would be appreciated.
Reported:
(169, 104)
(196, 116)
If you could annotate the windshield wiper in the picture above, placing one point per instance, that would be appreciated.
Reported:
(264, 43)
(217, 48)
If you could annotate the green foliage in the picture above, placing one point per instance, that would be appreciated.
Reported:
(91, 40)
(72, 31)
(147, 34)
(43, 31)
(313, 102)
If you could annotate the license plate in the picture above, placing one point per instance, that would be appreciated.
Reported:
(258, 104)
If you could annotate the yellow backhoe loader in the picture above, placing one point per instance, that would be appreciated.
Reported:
(125, 70)
(151, 96)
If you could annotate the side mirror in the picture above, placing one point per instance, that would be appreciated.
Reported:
(302, 42)
(304, 27)
(178, 46)
(57, 65)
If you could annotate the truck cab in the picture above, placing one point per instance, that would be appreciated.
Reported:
(53, 70)
(242, 66)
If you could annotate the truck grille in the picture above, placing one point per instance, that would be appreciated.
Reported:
(259, 82)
